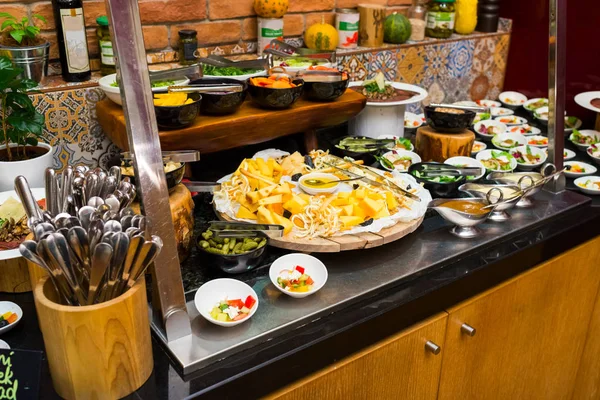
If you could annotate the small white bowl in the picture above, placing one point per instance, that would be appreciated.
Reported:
(237, 77)
(114, 93)
(577, 125)
(469, 162)
(519, 140)
(488, 103)
(589, 151)
(568, 154)
(6, 306)
(541, 113)
(422, 118)
(396, 154)
(482, 145)
(511, 120)
(4, 345)
(467, 103)
(512, 100)
(536, 137)
(525, 130)
(482, 117)
(313, 267)
(499, 126)
(318, 175)
(412, 119)
(589, 169)
(534, 150)
(487, 154)
(212, 292)
(411, 148)
(501, 111)
(529, 102)
(585, 132)
(583, 179)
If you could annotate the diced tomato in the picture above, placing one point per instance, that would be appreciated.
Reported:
(236, 303)
(250, 302)
(309, 281)
(300, 269)
(240, 316)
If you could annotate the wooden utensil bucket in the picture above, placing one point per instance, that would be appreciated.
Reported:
(14, 277)
(96, 352)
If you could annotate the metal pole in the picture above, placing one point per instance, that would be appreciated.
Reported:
(557, 58)
(142, 133)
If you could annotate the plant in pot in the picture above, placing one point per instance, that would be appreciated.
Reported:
(20, 127)
(20, 42)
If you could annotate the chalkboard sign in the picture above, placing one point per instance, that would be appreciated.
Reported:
(20, 374)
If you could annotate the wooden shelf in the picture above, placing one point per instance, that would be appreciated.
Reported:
(249, 125)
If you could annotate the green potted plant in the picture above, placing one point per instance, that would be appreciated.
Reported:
(20, 128)
(20, 42)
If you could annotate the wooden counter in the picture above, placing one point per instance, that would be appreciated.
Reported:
(249, 125)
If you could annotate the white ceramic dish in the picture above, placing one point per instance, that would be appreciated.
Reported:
(237, 77)
(398, 154)
(525, 130)
(589, 169)
(114, 93)
(535, 151)
(501, 111)
(498, 127)
(584, 179)
(422, 118)
(529, 102)
(411, 148)
(487, 154)
(318, 175)
(469, 162)
(482, 117)
(294, 70)
(421, 94)
(313, 267)
(4, 345)
(412, 121)
(38, 194)
(488, 103)
(511, 120)
(585, 132)
(512, 100)
(475, 150)
(6, 306)
(568, 154)
(577, 124)
(212, 292)
(590, 150)
(585, 100)
(536, 137)
(517, 138)
(541, 114)
(467, 103)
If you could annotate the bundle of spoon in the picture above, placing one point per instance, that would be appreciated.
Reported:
(94, 253)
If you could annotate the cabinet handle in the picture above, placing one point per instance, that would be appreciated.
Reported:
(468, 330)
(432, 347)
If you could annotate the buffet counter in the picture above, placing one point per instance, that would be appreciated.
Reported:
(372, 296)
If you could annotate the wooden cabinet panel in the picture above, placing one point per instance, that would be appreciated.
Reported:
(397, 368)
(530, 334)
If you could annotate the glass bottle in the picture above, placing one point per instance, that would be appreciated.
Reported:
(188, 44)
(417, 14)
(107, 58)
(440, 19)
(72, 41)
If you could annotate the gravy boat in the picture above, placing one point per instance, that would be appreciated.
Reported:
(511, 194)
(465, 223)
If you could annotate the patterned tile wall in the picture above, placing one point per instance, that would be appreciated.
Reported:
(451, 70)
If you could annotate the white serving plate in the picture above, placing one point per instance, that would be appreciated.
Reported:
(584, 179)
(577, 125)
(469, 162)
(487, 154)
(480, 143)
(411, 118)
(515, 120)
(488, 103)
(531, 101)
(401, 153)
(501, 111)
(313, 267)
(216, 290)
(584, 100)
(422, 93)
(114, 93)
(6, 306)
(520, 98)
(534, 138)
(4, 345)
(589, 169)
(589, 153)
(519, 139)
(487, 123)
(535, 150)
(585, 132)
(412, 147)
(517, 128)
(38, 194)
(568, 154)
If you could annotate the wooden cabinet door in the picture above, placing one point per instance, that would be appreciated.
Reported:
(397, 368)
(530, 332)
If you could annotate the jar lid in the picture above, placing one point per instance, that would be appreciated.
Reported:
(187, 33)
(102, 20)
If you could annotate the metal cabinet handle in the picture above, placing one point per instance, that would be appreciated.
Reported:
(432, 347)
(468, 330)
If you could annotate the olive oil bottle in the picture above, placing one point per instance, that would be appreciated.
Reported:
(72, 41)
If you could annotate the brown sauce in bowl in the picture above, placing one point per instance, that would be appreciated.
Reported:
(469, 207)
(391, 94)
(595, 103)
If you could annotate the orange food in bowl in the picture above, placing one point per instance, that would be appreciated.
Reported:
(273, 82)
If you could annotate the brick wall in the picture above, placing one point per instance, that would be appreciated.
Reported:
(217, 21)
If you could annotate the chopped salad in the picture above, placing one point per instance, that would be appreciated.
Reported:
(499, 161)
(590, 184)
(436, 179)
(594, 151)
(490, 130)
(477, 147)
(232, 310)
(506, 143)
(403, 144)
(536, 104)
(482, 117)
(579, 138)
(513, 101)
(211, 70)
(522, 129)
(538, 141)
(395, 161)
(576, 169)
(527, 158)
(571, 122)
(7, 318)
(510, 120)
(295, 280)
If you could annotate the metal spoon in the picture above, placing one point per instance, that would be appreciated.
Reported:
(100, 261)
(120, 244)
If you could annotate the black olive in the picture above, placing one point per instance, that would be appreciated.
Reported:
(367, 222)
(408, 187)
(3, 323)
(309, 162)
(355, 186)
(295, 177)
(287, 214)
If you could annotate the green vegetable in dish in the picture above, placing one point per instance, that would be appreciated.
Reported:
(154, 84)
(229, 246)
(403, 143)
(577, 138)
(571, 122)
(363, 146)
(385, 162)
(436, 179)
(376, 85)
(500, 161)
(227, 71)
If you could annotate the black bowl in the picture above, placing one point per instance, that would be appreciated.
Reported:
(276, 98)
(221, 103)
(174, 117)
(325, 91)
(448, 122)
(173, 177)
(438, 189)
(237, 263)
(368, 156)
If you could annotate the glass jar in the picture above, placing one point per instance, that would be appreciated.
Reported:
(188, 44)
(417, 14)
(107, 57)
(440, 19)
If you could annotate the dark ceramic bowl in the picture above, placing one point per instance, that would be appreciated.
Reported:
(276, 98)
(438, 189)
(325, 91)
(368, 156)
(448, 122)
(174, 117)
(173, 177)
(237, 263)
(221, 103)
